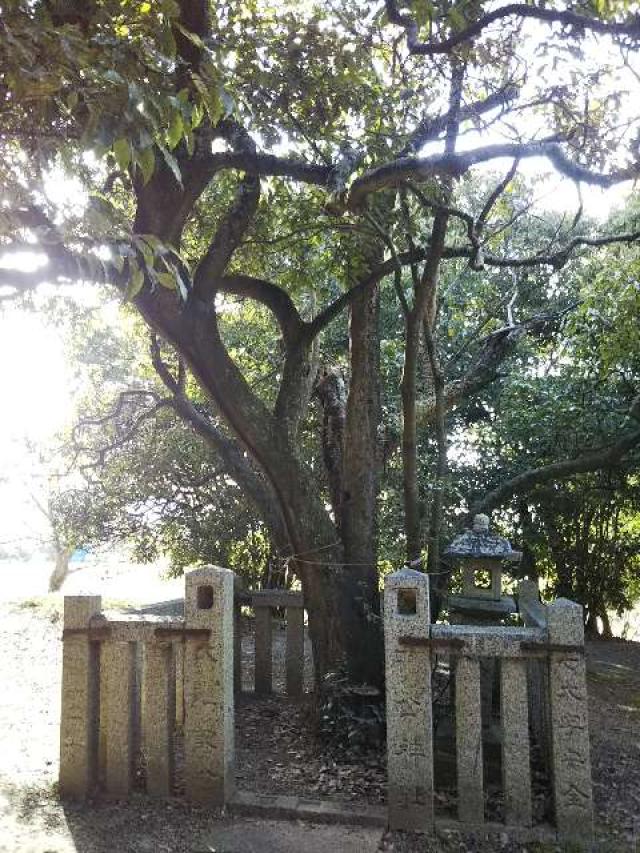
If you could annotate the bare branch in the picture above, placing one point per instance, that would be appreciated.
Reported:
(430, 128)
(629, 28)
(275, 298)
(455, 165)
(527, 480)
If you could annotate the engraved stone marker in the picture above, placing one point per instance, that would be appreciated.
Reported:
(569, 722)
(409, 716)
(208, 673)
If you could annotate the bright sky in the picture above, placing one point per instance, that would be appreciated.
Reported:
(36, 390)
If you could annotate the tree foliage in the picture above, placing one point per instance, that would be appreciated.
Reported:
(320, 160)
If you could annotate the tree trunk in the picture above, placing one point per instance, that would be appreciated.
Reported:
(439, 581)
(360, 593)
(331, 392)
(61, 568)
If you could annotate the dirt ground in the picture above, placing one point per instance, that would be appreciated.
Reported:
(275, 755)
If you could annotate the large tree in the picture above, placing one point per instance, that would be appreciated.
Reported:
(297, 157)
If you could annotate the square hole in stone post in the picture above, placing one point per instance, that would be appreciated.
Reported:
(205, 597)
(407, 603)
(482, 579)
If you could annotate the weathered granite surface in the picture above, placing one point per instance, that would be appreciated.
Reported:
(408, 691)
(80, 699)
(208, 675)
(571, 760)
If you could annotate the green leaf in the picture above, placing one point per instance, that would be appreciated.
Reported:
(166, 279)
(122, 153)
(194, 38)
(456, 19)
(172, 163)
(146, 251)
(182, 286)
(210, 94)
(136, 281)
(147, 163)
(176, 130)
(197, 114)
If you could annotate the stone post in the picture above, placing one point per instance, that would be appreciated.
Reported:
(208, 674)
(469, 741)
(408, 687)
(295, 651)
(159, 716)
(178, 659)
(570, 756)
(237, 648)
(118, 681)
(263, 655)
(80, 697)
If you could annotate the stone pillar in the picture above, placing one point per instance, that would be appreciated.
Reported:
(80, 697)
(178, 659)
(514, 715)
(571, 760)
(408, 689)
(118, 677)
(237, 648)
(295, 651)
(159, 716)
(469, 741)
(263, 654)
(208, 675)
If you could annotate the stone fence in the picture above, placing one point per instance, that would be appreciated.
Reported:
(264, 602)
(119, 699)
(542, 690)
(119, 692)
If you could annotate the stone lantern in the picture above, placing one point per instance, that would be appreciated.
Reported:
(482, 556)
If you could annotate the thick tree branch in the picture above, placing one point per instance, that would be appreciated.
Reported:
(526, 481)
(454, 165)
(273, 297)
(258, 163)
(495, 349)
(227, 238)
(237, 463)
(430, 128)
(629, 28)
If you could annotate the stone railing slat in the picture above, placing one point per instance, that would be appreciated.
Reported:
(516, 771)
(469, 741)
(159, 715)
(117, 683)
(263, 652)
